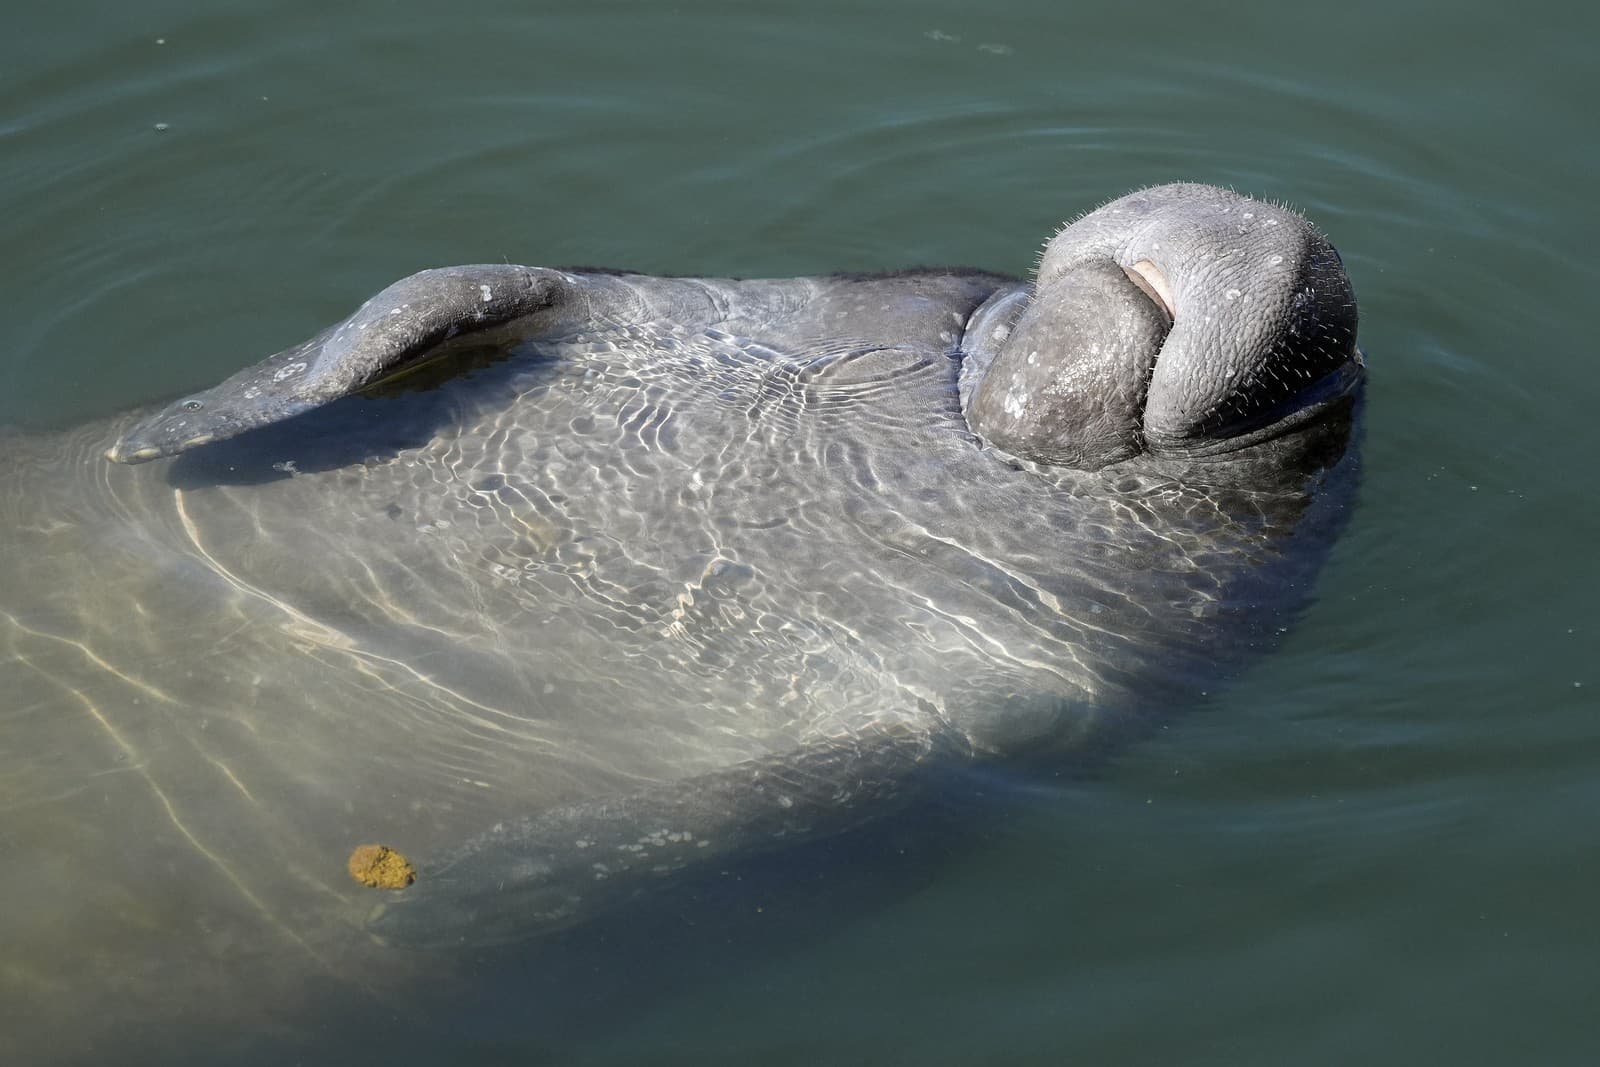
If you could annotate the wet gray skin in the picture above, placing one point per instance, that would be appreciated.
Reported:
(633, 576)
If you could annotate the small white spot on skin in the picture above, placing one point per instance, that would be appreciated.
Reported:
(1001, 333)
(394, 311)
(1275, 260)
(1249, 214)
(288, 372)
(1232, 294)
(1272, 222)
(946, 336)
(1033, 359)
(785, 802)
(251, 393)
(488, 294)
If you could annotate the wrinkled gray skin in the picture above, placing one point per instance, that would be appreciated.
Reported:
(662, 571)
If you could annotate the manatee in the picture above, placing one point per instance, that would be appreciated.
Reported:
(571, 584)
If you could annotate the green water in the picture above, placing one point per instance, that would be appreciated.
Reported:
(1377, 847)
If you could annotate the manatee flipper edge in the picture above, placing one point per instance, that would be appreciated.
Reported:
(395, 328)
(532, 875)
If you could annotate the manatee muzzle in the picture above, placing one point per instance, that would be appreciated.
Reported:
(1180, 320)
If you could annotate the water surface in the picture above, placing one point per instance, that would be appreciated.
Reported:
(1378, 845)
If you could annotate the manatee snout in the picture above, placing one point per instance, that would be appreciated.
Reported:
(1178, 320)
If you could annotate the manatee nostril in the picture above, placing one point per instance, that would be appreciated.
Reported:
(1149, 278)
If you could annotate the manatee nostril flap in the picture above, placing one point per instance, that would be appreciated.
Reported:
(1152, 281)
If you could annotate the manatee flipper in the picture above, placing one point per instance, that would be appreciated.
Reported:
(531, 875)
(394, 329)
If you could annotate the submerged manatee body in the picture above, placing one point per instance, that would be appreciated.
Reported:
(568, 582)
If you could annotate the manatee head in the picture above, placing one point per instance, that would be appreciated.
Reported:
(1181, 320)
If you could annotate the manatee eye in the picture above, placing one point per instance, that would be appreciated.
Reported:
(192, 405)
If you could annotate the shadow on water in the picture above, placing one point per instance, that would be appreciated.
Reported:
(370, 427)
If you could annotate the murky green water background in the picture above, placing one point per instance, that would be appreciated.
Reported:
(1379, 847)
